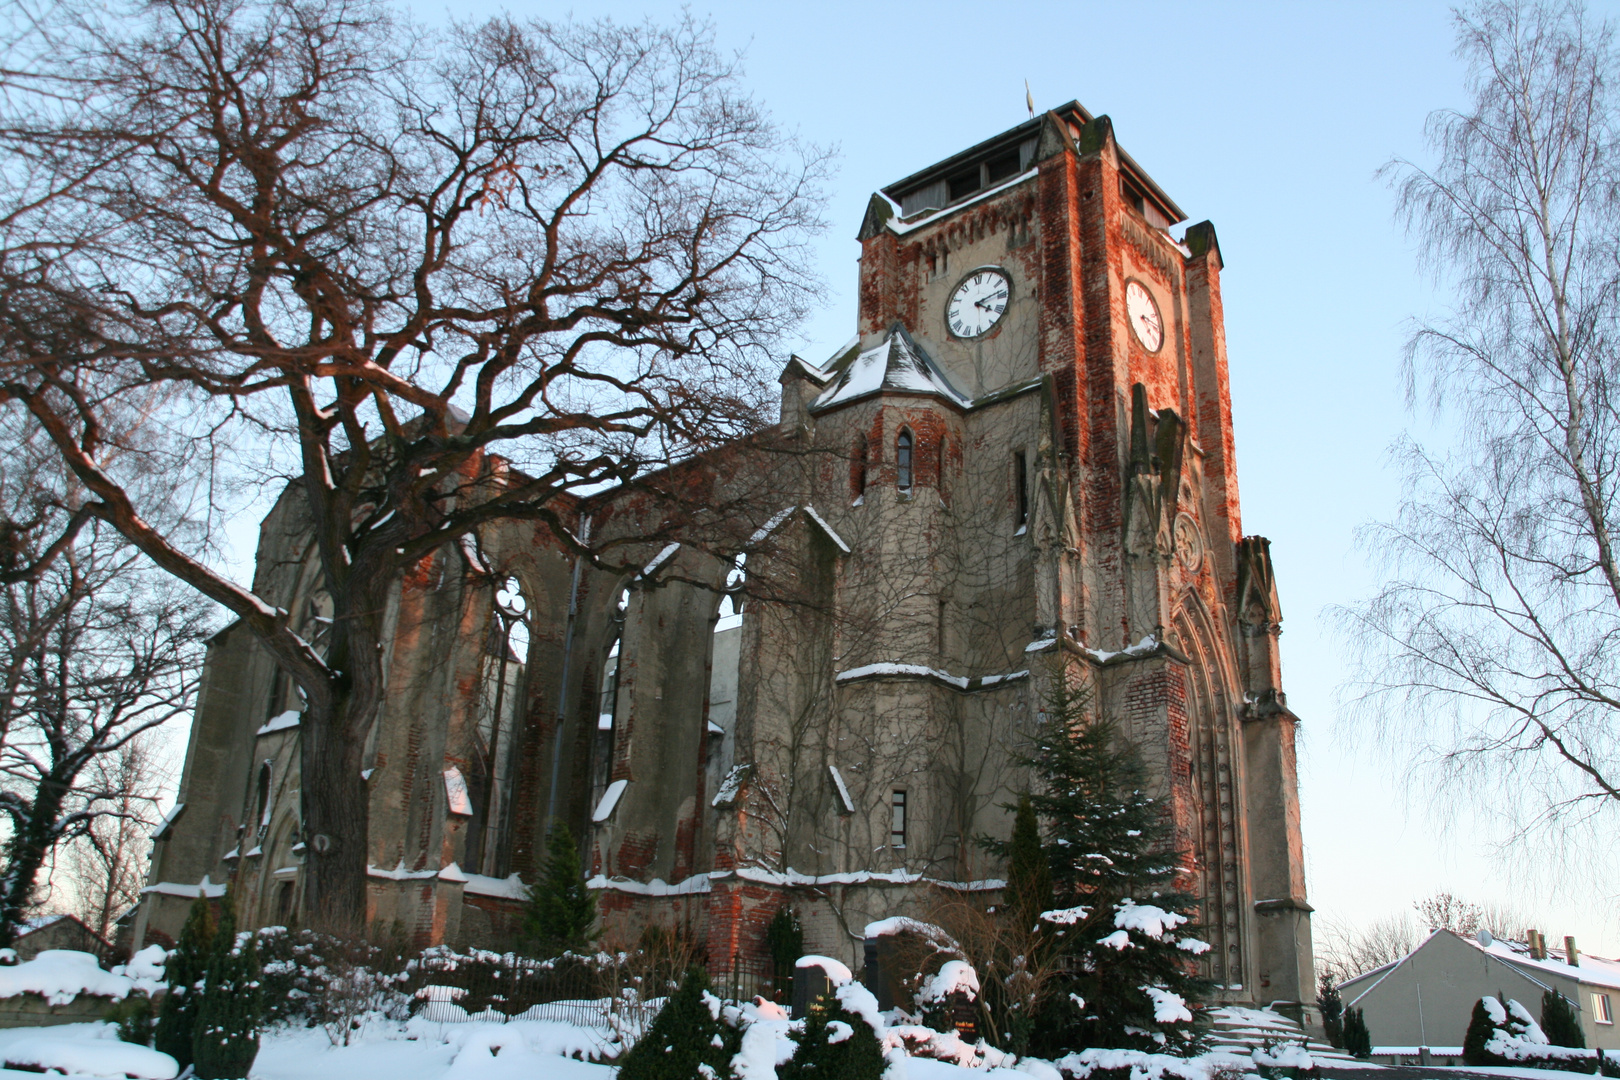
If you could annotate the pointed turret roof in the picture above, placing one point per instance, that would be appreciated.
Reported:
(896, 364)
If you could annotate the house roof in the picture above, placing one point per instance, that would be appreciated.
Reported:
(897, 363)
(1589, 970)
(1596, 970)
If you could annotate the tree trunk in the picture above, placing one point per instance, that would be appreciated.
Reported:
(30, 843)
(335, 828)
(335, 799)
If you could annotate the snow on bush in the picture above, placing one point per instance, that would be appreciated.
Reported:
(954, 976)
(1518, 1038)
(60, 975)
(1119, 939)
(936, 937)
(1065, 916)
(837, 972)
(1146, 1066)
(1168, 1008)
(1155, 922)
(88, 1050)
(145, 968)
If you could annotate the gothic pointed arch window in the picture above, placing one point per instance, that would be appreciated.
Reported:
(857, 469)
(730, 614)
(939, 466)
(262, 804)
(904, 445)
(602, 745)
(496, 732)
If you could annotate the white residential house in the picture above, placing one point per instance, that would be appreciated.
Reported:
(1425, 999)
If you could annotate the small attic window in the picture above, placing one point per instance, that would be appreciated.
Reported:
(1001, 168)
(962, 185)
(1133, 198)
(1138, 201)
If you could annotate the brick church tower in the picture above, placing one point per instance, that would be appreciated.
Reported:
(1044, 255)
(1025, 453)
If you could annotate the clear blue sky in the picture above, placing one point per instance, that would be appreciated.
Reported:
(1270, 120)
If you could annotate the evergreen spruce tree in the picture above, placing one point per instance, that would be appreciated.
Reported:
(1559, 1022)
(686, 1035)
(184, 974)
(1132, 950)
(824, 1052)
(1481, 1029)
(230, 1013)
(1029, 877)
(1331, 1006)
(560, 910)
(1357, 1039)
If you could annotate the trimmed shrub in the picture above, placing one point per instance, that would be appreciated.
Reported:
(686, 1040)
(134, 1018)
(1332, 1009)
(184, 973)
(225, 1036)
(1357, 1039)
(1559, 1022)
(834, 1045)
(1029, 874)
(560, 910)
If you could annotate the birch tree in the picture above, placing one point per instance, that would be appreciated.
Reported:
(1491, 646)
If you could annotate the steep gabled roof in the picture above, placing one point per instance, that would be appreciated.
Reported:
(896, 364)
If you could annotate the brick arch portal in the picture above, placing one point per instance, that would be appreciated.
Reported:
(1215, 764)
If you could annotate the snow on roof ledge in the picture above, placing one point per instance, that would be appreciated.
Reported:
(832, 535)
(399, 873)
(174, 888)
(506, 888)
(702, 882)
(921, 671)
(288, 719)
(162, 831)
(610, 800)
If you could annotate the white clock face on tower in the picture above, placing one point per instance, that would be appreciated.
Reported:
(1144, 316)
(978, 303)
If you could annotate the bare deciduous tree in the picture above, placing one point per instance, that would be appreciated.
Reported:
(1345, 950)
(372, 256)
(117, 658)
(106, 867)
(1491, 647)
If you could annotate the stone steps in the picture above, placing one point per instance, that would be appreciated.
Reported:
(1241, 1029)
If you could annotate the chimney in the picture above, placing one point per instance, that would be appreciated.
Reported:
(1537, 943)
(1572, 955)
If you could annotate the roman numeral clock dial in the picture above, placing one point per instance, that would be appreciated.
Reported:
(979, 302)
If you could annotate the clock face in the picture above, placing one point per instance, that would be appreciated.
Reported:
(1144, 316)
(978, 303)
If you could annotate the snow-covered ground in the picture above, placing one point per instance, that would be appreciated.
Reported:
(419, 1050)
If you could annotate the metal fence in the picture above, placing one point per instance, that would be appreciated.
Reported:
(618, 993)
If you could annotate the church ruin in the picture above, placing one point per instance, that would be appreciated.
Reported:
(1026, 452)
